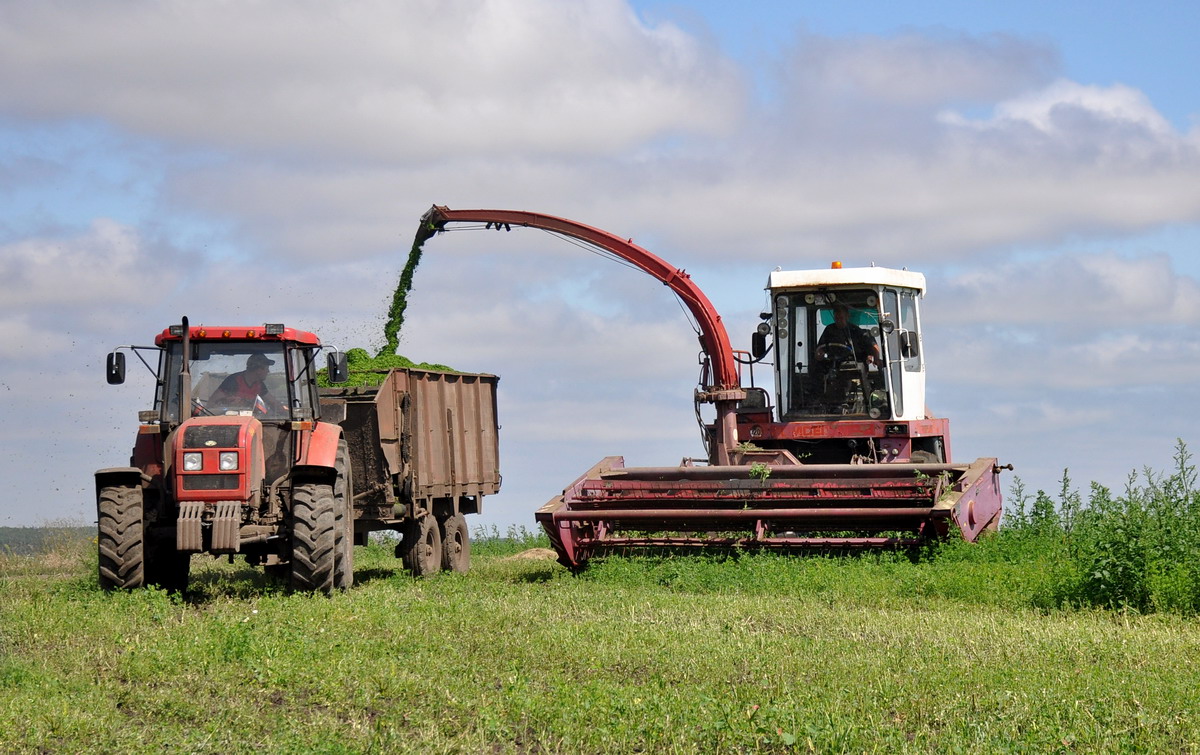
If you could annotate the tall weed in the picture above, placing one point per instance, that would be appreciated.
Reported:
(1139, 550)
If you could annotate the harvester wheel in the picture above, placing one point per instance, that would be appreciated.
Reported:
(343, 487)
(456, 544)
(313, 539)
(423, 547)
(119, 538)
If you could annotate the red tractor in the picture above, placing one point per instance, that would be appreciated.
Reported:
(244, 454)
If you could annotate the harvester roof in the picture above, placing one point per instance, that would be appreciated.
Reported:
(846, 276)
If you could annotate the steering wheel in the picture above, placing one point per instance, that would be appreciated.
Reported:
(836, 351)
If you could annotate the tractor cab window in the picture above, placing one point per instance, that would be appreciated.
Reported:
(831, 354)
(238, 378)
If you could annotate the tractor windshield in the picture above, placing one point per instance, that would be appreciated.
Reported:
(231, 377)
(831, 355)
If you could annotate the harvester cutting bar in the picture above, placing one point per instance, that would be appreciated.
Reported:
(789, 471)
(737, 515)
(781, 506)
(724, 543)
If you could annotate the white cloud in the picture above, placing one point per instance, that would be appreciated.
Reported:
(367, 79)
(1090, 293)
(1056, 109)
(914, 69)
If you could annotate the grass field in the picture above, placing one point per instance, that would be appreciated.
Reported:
(756, 653)
(1073, 629)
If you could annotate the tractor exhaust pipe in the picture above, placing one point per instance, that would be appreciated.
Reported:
(185, 374)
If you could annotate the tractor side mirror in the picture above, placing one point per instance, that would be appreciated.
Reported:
(908, 344)
(339, 369)
(115, 368)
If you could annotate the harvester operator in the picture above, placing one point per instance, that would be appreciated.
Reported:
(842, 339)
(247, 390)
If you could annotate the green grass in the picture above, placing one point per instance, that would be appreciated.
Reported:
(956, 652)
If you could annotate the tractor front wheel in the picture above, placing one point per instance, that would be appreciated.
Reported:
(313, 538)
(120, 538)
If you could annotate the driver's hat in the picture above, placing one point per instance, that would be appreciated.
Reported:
(258, 360)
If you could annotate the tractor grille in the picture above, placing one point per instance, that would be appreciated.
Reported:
(210, 436)
(210, 482)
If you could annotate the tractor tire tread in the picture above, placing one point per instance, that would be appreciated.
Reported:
(313, 540)
(120, 538)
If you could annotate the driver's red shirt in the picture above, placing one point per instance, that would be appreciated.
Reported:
(236, 385)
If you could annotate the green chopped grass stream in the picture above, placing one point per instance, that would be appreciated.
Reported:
(371, 370)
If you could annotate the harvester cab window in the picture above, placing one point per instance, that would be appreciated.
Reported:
(831, 359)
(238, 378)
(908, 324)
(892, 347)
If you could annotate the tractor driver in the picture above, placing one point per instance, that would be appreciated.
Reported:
(248, 389)
(842, 339)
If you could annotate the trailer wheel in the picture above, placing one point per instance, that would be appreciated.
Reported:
(119, 538)
(423, 547)
(313, 539)
(343, 499)
(456, 544)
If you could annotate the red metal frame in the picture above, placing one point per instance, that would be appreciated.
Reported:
(725, 390)
(712, 331)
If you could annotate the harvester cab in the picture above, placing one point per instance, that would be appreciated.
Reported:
(847, 343)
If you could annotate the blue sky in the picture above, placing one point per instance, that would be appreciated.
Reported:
(250, 162)
(1147, 44)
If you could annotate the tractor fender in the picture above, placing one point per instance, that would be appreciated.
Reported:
(126, 477)
(319, 459)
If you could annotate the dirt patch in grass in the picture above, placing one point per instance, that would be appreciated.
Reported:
(533, 554)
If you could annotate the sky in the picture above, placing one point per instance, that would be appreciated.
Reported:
(268, 161)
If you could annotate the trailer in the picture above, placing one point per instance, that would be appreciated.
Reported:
(425, 446)
(242, 454)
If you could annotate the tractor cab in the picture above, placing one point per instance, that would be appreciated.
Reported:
(847, 343)
(272, 380)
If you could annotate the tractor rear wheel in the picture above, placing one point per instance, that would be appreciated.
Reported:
(313, 538)
(456, 544)
(343, 501)
(423, 547)
(119, 538)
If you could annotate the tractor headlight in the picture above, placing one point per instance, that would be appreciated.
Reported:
(229, 461)
(193, 461)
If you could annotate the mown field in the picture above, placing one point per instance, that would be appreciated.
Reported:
(1056, 636)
